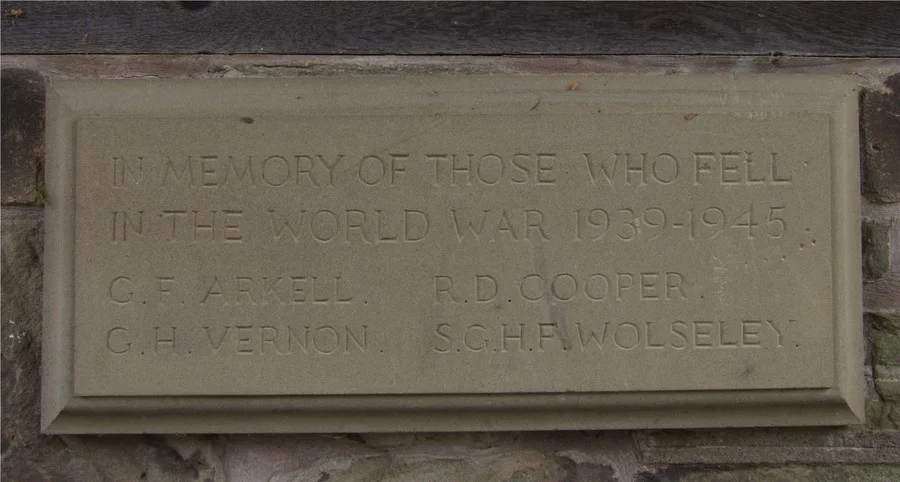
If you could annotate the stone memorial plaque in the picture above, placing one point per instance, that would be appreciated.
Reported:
(451, 253)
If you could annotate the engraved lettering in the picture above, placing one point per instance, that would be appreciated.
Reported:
(326, 340)
(546, 332)
(509, 336)
(180, 176)
(275, 171)
(474, 339)
(750, 332)
(678, 329)
(359, 339)
(115, 341)
(164, 286)
(125, 223)
(648, 335)
(415, 231)
(723, 341)
(778, 332)
(622, 338)
(123, 169)
(121, 290)
(163, 338)
(442, 287)
(703, 334)
(330, 166)
(212, 342)
(208, 171)
(598, 170)
(243, 332)
(441, 331)
(485, 288)
(268, 335)
(232, 170)
(592, 336)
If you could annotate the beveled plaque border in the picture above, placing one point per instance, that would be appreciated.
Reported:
(69, 101)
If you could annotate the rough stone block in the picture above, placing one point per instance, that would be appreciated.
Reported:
(887, 382)
(127, 458)
(507, 456)
(882, 415)
(876, 239)
(881, 257)
(22, 155)
(785, 473)
(885, 339)
(21, 325)
(881, 141)
(491, 465)
(769, 446)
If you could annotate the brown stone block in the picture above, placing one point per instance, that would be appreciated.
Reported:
(881, 142)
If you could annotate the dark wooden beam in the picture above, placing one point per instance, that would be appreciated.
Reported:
(863, 29)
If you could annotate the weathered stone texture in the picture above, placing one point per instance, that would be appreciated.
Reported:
(881, 257)
(21, 324)
(876, 238)
(22, 153)
(414, 457)
(885, 335)
(881, 141)
(793, 473)
(886, 338)
(812, 445)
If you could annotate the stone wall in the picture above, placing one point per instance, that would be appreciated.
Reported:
(869, 452)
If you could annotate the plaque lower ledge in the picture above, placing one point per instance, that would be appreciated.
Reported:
(263, 416)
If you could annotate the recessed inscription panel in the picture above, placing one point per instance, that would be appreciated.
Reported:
(370, 253)
(452, 254)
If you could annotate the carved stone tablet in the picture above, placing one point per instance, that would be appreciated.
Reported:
(451, 253)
